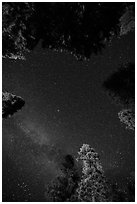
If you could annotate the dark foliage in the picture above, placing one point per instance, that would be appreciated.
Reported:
(121, 85)
(121, 88)
(15, 17)
(80, 28)
(64, 186)
(11, 104)
(68, 162)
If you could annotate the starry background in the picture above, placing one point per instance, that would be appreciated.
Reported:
(66, 106)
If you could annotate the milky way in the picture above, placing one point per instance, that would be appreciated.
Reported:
(66, 106)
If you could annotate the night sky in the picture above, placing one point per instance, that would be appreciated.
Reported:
(66, 106)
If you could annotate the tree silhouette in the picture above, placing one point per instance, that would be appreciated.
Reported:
(11, 104)
(14, 27)
(121, 87)
(92, 187)
(63, 187)
(79, 28)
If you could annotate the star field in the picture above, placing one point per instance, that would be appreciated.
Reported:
(66, 106)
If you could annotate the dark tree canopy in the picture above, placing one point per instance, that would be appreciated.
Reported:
(121, 85)
(63, 187)
(11, 104)
(121, 88)
(14, 28)
(80, 28)
(68, 162)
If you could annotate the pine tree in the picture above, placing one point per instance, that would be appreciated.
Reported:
(63, 187)
(92, 187)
